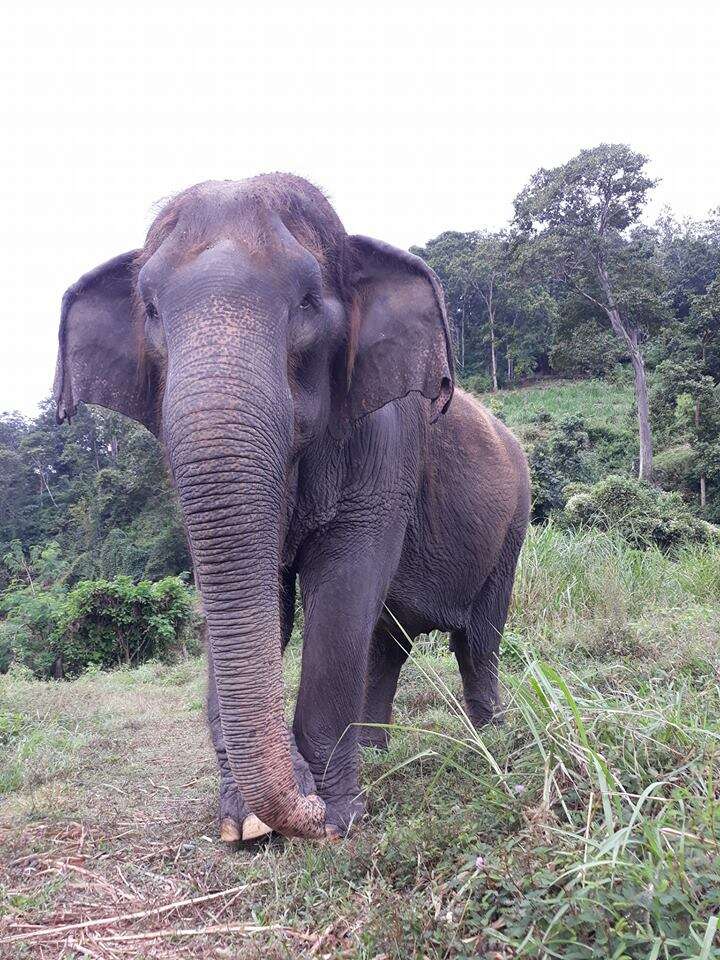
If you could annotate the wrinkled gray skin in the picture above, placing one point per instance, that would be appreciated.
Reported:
(300, 381)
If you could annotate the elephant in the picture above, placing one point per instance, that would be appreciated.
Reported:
(301, 382)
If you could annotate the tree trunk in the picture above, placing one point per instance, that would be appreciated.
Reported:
(630, 338)
(645, 471)
(493, 355)
(703, 497)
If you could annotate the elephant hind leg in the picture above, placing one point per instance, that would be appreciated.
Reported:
(385, 661)
(477, 647)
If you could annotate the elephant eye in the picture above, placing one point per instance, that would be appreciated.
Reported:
(309, 302)
(151, 311)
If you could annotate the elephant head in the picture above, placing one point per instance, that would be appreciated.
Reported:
(249, 326)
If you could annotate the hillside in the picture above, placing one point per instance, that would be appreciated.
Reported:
(600, 403)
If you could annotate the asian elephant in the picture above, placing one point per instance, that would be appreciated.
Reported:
(300, 380)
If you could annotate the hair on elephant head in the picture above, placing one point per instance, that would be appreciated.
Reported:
(249, 326)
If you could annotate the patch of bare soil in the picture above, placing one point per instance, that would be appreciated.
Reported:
(120, 858)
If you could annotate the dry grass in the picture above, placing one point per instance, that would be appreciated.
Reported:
(109, 840)
(126, 825)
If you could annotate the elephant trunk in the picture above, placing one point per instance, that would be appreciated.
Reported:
(227, 421)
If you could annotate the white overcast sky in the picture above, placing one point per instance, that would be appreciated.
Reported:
(414, 117)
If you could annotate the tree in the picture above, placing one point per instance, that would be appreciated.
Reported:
(490, 307)
(689, 255)
(686, 395)
(450, 256)
(574, 226)
(98, 488)
(686, 392)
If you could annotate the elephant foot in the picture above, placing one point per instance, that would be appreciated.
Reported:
(250, 829)
(230, 830)
(483, 714)
(342, 815)
(375, 737)
(237, 822)
(253, 828)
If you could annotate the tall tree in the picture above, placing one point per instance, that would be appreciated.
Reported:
(489, 271)
(451, 256)
(574, 224)
(491, 309)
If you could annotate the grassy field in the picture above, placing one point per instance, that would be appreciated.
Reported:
(598, 402)
(587, 826)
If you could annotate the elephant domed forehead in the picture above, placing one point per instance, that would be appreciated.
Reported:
(252, 212)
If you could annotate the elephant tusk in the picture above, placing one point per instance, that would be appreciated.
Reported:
(229, 831)
(253, 828)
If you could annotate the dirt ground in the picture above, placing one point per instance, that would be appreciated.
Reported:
(114, 856)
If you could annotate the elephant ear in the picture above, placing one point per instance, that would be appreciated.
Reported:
(99, 357)
(399, 340)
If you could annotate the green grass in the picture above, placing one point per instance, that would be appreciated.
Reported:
(588, 826)
(598, 402)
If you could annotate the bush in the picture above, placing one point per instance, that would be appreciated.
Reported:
(100, 622)
(566, 452)
(30, 607)
(113, 622)
(641, 514)
(477, 383)
(676, 469)
(26, 636)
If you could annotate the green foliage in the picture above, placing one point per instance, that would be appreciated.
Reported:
(686, 414)
(567, 451)
(610, 859)
(30, 607)
(676, 469)
(582, 344)
(98, 488)
(642, 514)
(107, 623)
(574, 230)
(494, 314)
(56, 631)
(577, 227)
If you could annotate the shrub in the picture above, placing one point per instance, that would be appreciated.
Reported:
(26, 635)
(567, 452)
(641, 514)
(112, 622)
(30, 607)
(100, 622)
(477, 383)
(676, 469)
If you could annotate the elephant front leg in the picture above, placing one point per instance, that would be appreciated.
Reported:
(237, 822)
(342, 604)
